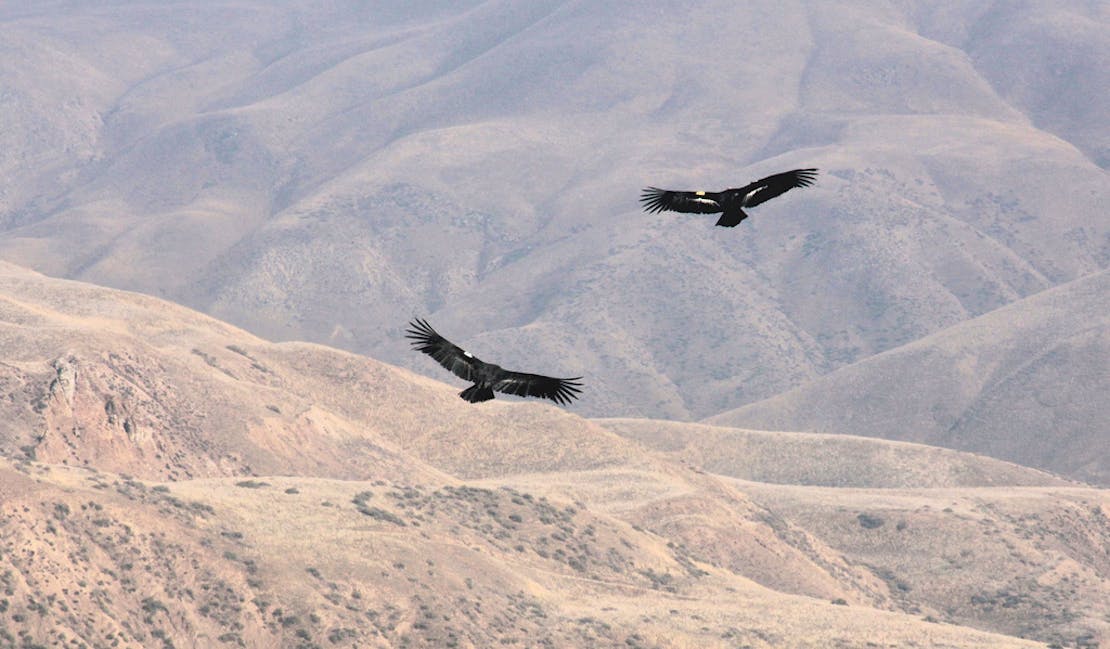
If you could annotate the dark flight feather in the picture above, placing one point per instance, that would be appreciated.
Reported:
(764, 190)
(488, 377)
(658, 200)
(450, 356)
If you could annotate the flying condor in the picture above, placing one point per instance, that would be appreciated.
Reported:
(729, 202)
(487, 377)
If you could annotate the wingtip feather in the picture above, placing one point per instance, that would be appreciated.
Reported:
(805, 177)
(653, 199)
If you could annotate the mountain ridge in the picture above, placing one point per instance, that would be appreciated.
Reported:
(1020, 383)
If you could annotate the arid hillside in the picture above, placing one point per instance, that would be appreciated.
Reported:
(168, 479)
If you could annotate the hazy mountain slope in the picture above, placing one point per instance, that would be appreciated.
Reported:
(1025, 383)
(92, 557)
(1056, 48)
(822, 460)
(327, 172)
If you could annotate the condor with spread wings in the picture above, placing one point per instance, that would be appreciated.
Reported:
(487, 377)
(729, 202)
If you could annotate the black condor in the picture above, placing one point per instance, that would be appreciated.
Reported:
(488, 377)
(730, 202)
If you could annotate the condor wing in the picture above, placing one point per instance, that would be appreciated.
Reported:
(767, 188)
(658, 200)
(460, 362)
(561, 391)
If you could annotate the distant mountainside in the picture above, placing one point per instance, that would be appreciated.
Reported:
(324, 172)
(168, 478)
(1025, 383)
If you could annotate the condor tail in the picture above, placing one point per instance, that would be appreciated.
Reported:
(732, 218)
(477, 393)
